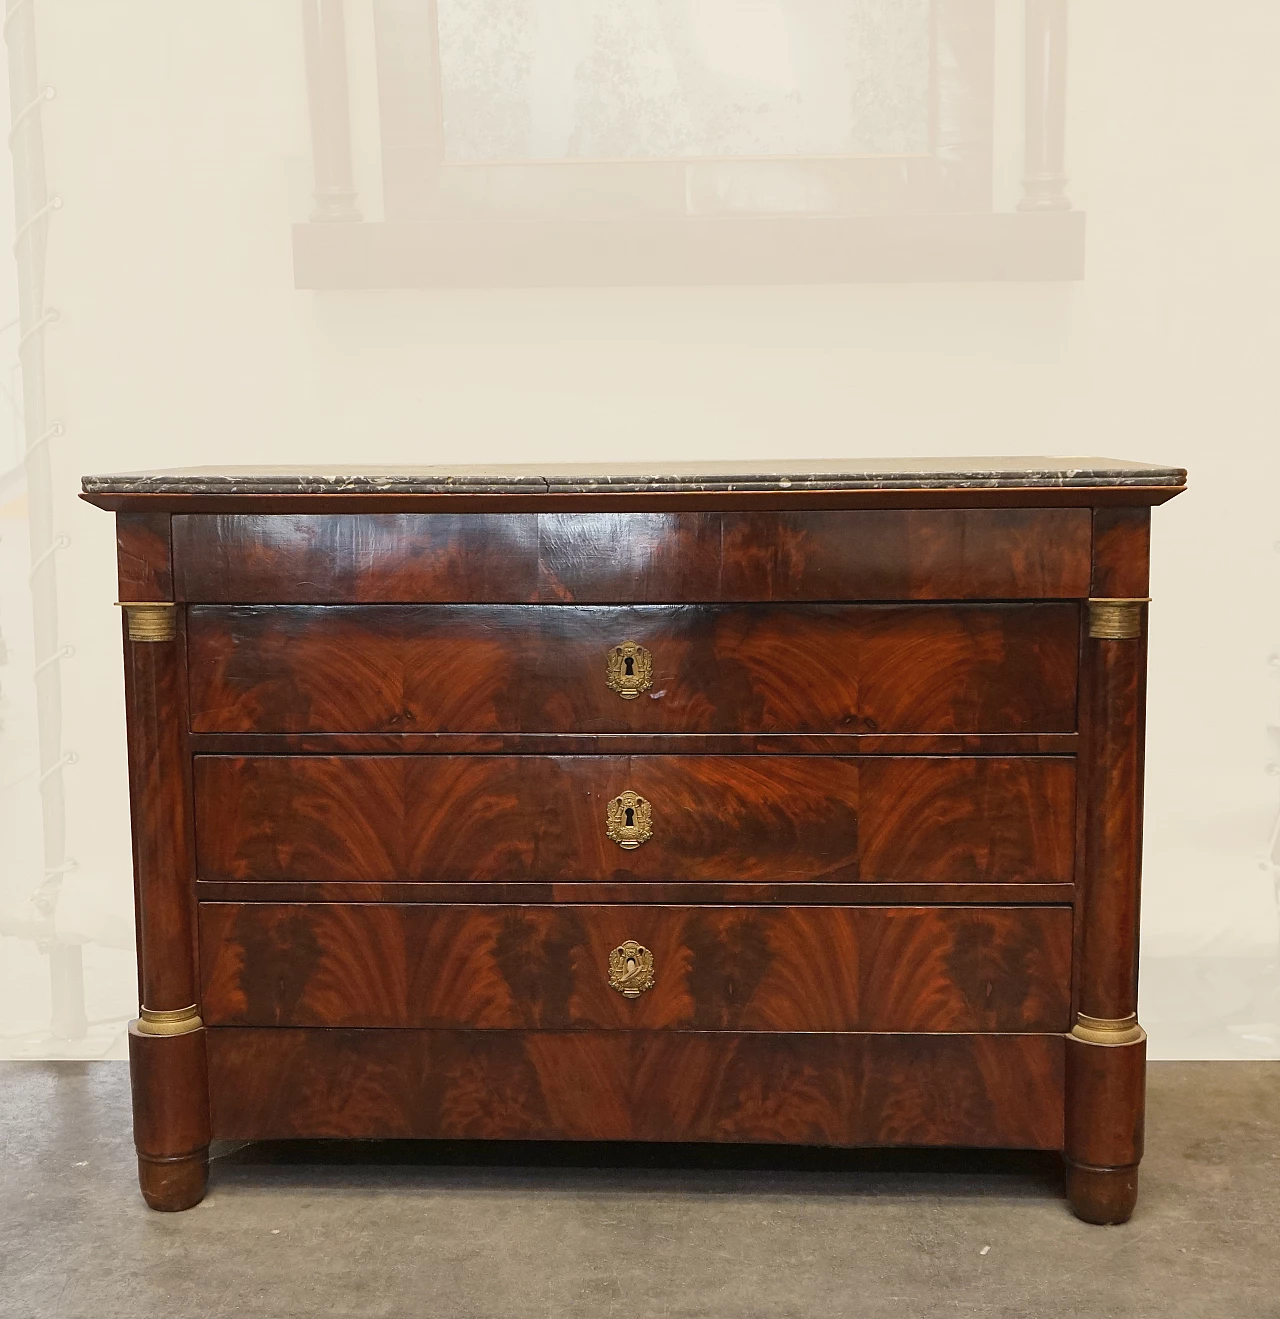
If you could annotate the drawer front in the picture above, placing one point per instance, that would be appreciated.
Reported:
(770, 819)
(928, 668)
(632, 558)
(691, 968)
(811, 1089)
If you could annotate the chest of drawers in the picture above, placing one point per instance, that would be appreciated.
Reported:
(790, 806)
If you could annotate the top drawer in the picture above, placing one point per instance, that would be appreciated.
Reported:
(798, 668)
(633, 558)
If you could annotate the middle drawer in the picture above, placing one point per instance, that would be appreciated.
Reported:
(562, 819)
(752, 668)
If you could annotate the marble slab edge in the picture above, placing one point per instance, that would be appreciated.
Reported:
(303, 485)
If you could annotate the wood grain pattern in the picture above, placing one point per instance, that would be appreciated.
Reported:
(611, 891)
(1121, 553)
(623, 744)
(1111, 862)
(169, 1080)
(168, 1074)
(525, 668)
(625, 558)
(1106, 1103)
(967, 819)
(717, 968)
(771, 819)
(1103, 1136)
(1105, 1096)
(1105, 1196)
(861, 750)
(816, 1089)
(160, 803)
(142, 556)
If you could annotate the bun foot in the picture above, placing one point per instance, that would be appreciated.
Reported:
(177, 1183)
(1102, 1195)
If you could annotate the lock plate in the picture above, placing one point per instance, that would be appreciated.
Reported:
(630, 820)
(631, 969)
(630, 670)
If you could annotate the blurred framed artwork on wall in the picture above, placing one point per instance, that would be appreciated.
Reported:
(686, 141)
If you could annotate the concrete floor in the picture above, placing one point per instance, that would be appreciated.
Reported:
(560, 1231)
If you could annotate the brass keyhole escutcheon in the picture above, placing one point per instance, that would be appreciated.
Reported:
(629, 819)
(630, 670)
(631, 969)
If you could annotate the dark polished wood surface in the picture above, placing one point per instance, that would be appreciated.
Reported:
(1106, 1093)
(1106, 1116)
(626, 558)
(160, 811)
(1106, 1083)
(716, 968)
(142, 556)
(1121, 553)
(169, 1073)
(812, 1089)
(614, 744)
(896, 794)
(1105, 1196)
(768, 819)
(715, 669)
(1111, 763)
(169, 1079)
(611, 891)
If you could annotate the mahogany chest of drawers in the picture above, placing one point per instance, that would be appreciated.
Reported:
(796, 805)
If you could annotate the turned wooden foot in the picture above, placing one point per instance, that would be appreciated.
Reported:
(174, 1183)
(170, 1080)
(1102, 1195)
(1106, 1088)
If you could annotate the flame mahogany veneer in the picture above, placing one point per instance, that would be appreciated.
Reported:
(460, 819)
(718, 669)
(875, 757)
(807, 1089)
(929, 969)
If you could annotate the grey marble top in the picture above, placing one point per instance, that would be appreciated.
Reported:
(633, 478)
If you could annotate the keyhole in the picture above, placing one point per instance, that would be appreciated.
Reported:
(631, 817)
(629, 665)
(631, 965)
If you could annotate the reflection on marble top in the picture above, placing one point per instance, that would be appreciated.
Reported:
(630, 478)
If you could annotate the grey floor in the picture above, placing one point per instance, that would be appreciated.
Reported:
(561, 1231)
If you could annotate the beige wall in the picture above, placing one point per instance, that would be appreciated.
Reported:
(179, 142)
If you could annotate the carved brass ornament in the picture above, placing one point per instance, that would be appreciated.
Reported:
(630, 670)
(630, 820)
(178, 1021)
(631, 969)
(1107, 1030)
(150, 620)
(1115, 620)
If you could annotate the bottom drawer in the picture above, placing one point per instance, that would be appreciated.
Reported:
(620, 967)
(978, 1090)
